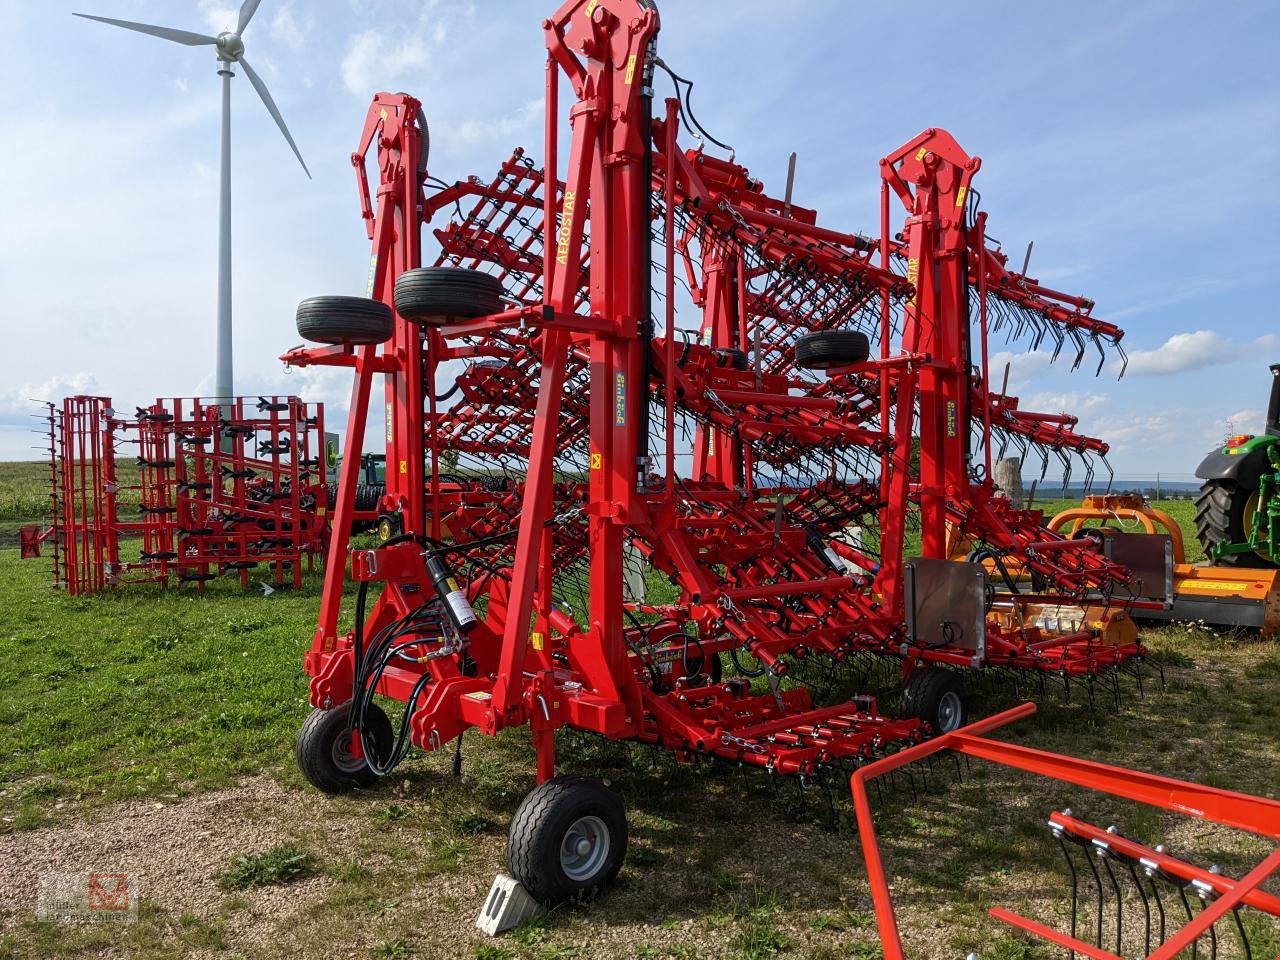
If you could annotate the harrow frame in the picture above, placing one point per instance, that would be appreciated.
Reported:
(1240, 811)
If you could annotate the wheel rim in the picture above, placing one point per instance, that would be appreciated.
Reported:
(1246, 521)
(344, 757)
(950, 712)
(584, 849)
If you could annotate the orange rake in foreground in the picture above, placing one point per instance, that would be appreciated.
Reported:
(1220, 896)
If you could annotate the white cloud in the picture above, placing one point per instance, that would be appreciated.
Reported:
(219, 16)
(287, 28)
(1071, 402)
(1024, 368)
(17, 408)
(1249, 420)
(1193, 351)
(375, 61)
(523, 119)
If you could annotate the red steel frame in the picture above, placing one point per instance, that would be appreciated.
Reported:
(1240, 811)
(223, 489)
(571, 368)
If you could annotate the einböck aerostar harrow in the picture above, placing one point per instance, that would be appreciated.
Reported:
(553, 434)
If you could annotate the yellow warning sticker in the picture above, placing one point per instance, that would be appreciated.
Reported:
(373, 273)
(1226, 586)
(536, 640)
(404, 466)
(631, 70)
(591, 7)
(921, 152)
(960, 195)
(597, 461)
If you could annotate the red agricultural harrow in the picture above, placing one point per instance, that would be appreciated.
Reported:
(184, 492)
(598, 505)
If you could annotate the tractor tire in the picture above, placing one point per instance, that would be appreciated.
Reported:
(1220, 518)
(345, 320)
(368, 495)
(435, 295)
(567, 840)
(935, 696)
(388, 526)
(832, 348)
(324, 749)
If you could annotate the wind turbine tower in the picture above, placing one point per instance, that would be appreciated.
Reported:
(229, 49)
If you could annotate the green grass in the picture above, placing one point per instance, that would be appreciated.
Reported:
(141, 691)
(24, 496)
(281, 864)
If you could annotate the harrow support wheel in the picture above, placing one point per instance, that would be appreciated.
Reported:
(1224, 514)
(567, 840)
(327, 755)
(345, 320)
(937, 697)
(832, 348)
(432, 295)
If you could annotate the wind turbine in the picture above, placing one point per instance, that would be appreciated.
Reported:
(229, 48)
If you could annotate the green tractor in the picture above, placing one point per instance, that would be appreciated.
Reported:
(1238, 510)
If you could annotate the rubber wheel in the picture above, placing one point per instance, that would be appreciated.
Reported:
(832, 348)
(433, 295)
(937, 697)
(1220, 518)
(345, 320)
(567, 840)
(324, 748)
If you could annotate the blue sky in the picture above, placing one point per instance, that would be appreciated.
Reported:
(1135, 143)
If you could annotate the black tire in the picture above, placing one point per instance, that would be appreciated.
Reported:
(433, 295)
(324, 753)
(937, 697)
(345, 320)
(548, 819)
(1220, 511)
(832, 348)
(368, 495)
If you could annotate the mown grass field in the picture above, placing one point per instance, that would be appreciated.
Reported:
(131, 707)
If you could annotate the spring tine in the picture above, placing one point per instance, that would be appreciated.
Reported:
(1075, 890)
(1186, 905)
(1080, 348)
(1115, 886)
(1146, 906)
(1124, 360)
(1155, 893)
(1244, 937)
(1058, 346)
(1097, 882)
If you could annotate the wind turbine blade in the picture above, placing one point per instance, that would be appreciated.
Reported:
(271, 108)
(247, 10)
(164, 33)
